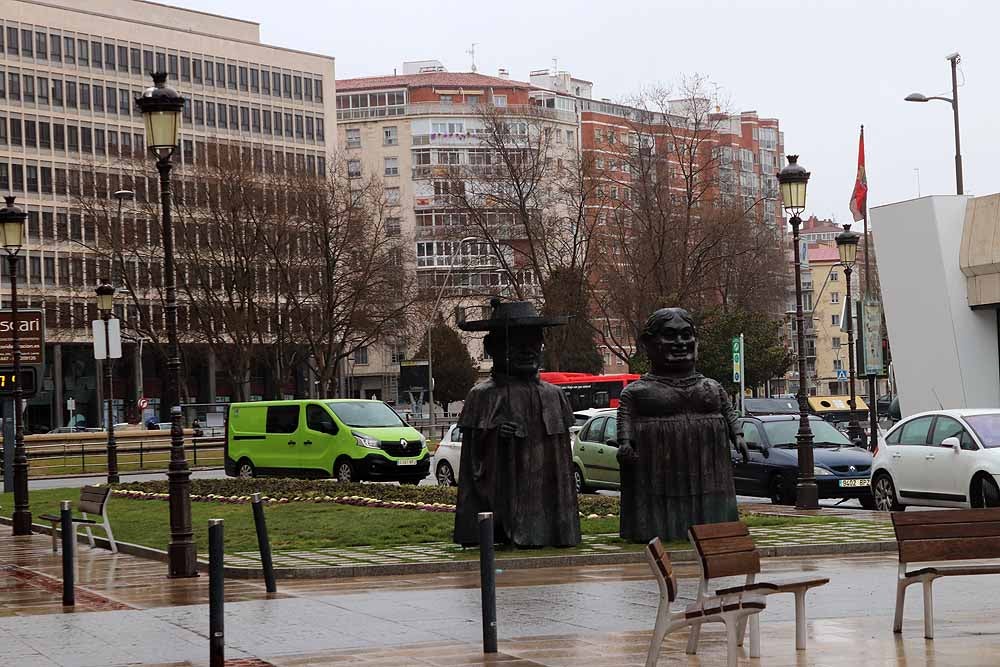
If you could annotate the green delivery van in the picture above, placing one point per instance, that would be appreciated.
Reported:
(349, 439)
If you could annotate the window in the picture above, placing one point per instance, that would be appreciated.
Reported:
(320, 130)
(71, 95)
(244, 79)
(286, 85)
(276, 84)
(834, 276)
(308, 90)
(499, 100)
(390, 136)
(161, 62)
(835, 342)
(838, 365)
(44, 135)
(834, 297)
(946, 427)
(446, 99)
(57, 92)
(319, 420)
(392, 166)
(288, 125)
(282, 419)
(361, 356)
(277, 123)
(123, 59)
(220, 75)
(43, 90)
(915, 432)
(393, 227)
(16, 135)
(255, 120)
(392, 196)
(32, 178)
(209, 73)
(12, 41)
(30, 134)
(245, 119)
(41, 45)
(196, 70)
(69, 50)
(353, 137)
(267, 122)
(29, 88)
(319, 90)
(300, 130)
(265, 81)
(95, 55)
(172, 67)
(109, 56)
(354, 168)
(14, 85)
(254, 80)
(185, 68)
(231, 76)
(26, 45)
(835, 320)
(123, 101)
(310, 128)
(209, 113)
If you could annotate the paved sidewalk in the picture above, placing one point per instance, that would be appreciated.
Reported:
(846, 532)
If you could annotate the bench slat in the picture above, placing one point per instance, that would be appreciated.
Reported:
(725, 545)
(91, 492)
(938, 517)
(89, 507)
(952, 571)
(915, 551)
(711, 531)
(943, 530)
(729, 565)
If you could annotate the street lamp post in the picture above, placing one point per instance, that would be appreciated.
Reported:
(847, 246)
(953, 101)
(161, 108)
(12, 226)
(105, 305)
(430, 327)
(793, 180)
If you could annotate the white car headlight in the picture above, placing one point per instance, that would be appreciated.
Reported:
(820, 472)
(366, 440)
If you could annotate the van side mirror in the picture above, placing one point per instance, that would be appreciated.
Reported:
(954, 443)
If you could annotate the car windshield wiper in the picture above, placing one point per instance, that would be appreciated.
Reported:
(831, 444)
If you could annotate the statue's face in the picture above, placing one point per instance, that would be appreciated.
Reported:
(673, 347)
(519, 354)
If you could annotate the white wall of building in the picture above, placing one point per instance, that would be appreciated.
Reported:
(944, 353)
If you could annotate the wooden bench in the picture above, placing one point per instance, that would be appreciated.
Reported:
(93, 500)
(731, 610)
(727, 550)
(945, 535)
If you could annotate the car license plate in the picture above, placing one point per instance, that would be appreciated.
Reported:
(855, 482)
(410, 462)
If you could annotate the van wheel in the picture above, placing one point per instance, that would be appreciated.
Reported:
(343, 470)
(445, 474)
(245, 469)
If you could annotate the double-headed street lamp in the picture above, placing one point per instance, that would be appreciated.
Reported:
(953, 101)
(793, 179)
(847, 247)
(161, 108)
(105, 304)
(12, 226)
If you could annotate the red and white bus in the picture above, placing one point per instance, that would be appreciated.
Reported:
(590, 391)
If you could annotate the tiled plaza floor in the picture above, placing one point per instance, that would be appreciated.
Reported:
(844, 532)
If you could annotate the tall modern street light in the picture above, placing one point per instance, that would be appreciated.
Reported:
(793, 180)
(430, 327)
(12, 225)
(953, 101)
(161, 108)
(847, 246)
(105, 304)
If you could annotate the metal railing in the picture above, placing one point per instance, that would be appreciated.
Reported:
(77, 457)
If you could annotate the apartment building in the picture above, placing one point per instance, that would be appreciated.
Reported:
(69, 74)
(421, 132)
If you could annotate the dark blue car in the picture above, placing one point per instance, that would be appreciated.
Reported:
(841, 469)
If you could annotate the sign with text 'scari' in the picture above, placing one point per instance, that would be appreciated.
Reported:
(31, 337)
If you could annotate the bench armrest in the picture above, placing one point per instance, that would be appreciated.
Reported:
(56, 519)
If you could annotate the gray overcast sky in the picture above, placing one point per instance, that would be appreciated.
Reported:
(822, 68)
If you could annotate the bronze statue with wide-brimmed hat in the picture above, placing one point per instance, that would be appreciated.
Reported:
(517, 460)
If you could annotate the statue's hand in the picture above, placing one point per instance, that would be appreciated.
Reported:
(508, 429)
(627, 454)
(741, 445)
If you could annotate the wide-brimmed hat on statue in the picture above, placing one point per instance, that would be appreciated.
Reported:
(511, 315)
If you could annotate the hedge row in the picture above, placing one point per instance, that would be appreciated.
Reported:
(321, 490)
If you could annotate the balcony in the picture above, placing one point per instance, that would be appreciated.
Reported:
(455, 171)
(447, 139)
(533, 110)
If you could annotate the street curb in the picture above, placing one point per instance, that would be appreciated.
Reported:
(443, 567)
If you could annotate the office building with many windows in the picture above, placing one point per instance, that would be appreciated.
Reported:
(69, 75)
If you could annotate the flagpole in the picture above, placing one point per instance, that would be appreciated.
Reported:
(872, 379)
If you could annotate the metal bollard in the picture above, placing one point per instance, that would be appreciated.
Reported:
(69, 550)
(216, 595)
(488, 581)
(264, 544)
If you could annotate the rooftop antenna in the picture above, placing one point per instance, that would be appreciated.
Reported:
(472, 54)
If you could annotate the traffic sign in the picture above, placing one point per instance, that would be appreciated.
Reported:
(737, 358)
(841, 374)
(143, 403)
(114, 338)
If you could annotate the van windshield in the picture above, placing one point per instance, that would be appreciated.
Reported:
(374, 414)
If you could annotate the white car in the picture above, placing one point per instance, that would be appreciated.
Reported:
(944, 458)
(447, 456)
(580, 418)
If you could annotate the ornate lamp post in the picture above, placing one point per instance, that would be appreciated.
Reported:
(953, 101)
(847, 246)
(105, 303)
(12, 226)
(161, 108)
(793, 179)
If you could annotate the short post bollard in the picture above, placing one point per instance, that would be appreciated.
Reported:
(488, 581)
(216, 595)
(264, 544)
(68, 546)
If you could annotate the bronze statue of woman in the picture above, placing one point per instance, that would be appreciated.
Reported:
(675, 431)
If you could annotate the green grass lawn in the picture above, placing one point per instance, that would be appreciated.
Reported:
(74, 464)
(306, 525)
